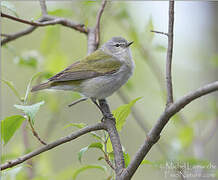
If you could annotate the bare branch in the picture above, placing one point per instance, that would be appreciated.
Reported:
(97, 26)
(74, 135)
(159, 32)
(114, 137)
(17, 35)
(154, 133)
(35, 133)
(43, 7)
(5, 35)
(170, 54)
(20, 20)
(50, 20)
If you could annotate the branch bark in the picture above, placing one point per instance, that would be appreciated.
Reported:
(154, 133)
(170, 54)
(74, 135)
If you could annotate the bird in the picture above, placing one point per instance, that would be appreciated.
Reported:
(98, 75)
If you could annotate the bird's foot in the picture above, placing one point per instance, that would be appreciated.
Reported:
(107, 116)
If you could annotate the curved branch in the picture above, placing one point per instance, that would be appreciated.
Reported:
(97, 26)
(11, 37)
(74, 135)
(154, 133)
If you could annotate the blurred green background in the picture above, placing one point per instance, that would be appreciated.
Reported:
(189, 137)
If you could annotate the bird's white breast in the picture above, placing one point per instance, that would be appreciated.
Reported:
(103, 86)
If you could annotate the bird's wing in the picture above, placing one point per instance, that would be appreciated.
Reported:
(96, 64)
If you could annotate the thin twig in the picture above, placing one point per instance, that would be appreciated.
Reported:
(154, 133)
(74, 135)
(26, 143)
(160, 32)
(98, 20)
(17, 35)
(21, 20)
(170, 54)
(35, 133)
(50, 20)
(43, 7)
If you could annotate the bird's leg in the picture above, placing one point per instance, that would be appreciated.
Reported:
(78, 101)
(106, 110)
(105, 114)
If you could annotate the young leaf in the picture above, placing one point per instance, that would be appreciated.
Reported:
(61, 12)
(12, 87)
(9, 6)
(30, 110)
(29, 86)
(86, 167)
(122, 112)
(9, 125)
(77, 125)
(126, 158)
(29, 59)
(97, 145)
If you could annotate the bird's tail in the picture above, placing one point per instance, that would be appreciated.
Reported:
(41, 86)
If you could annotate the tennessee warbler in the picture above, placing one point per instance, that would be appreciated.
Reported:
(98, 75)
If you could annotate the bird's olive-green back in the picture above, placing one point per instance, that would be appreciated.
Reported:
(96, 64)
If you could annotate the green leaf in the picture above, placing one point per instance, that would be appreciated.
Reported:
(126, 158)
(10, 7)
(145, 161)
(28, 59)
(109, 146)
(148, 28)
(51, 40)
(77, 125)
(186, 135)
(12, 87)
(29, 86)
(87, 167)
(9, 125)
(160, 48)
(97, 145)
(61, 12)
(96, 136)
(122, 112)
(56, 61)
(30, 110)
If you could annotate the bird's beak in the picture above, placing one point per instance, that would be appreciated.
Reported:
(129, 43)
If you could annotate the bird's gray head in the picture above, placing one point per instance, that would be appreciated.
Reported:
(116, 46)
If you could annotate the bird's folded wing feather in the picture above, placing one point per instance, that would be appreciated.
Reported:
(94, 65)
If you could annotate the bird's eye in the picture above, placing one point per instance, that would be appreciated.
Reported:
(117, 45)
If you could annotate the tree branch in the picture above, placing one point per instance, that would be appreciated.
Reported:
(98, 20)
(170, 54)
(74, 135)
(35, 133)
(50, 20)
(159, 32)
(154, 133)
(43, 7)
(17, 35)
(110, 124)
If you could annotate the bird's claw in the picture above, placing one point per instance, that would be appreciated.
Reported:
(107, 116)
